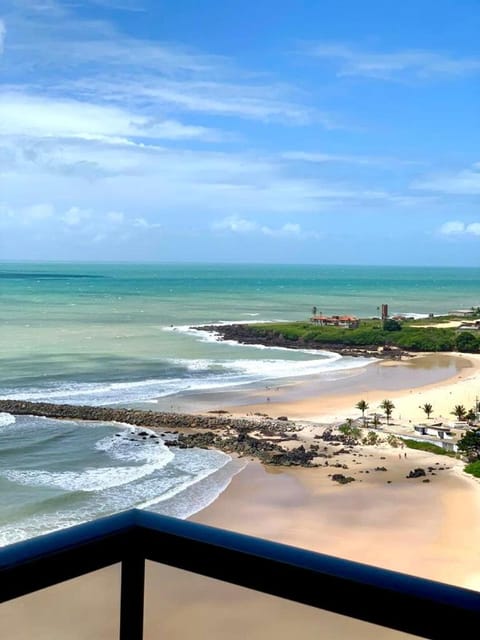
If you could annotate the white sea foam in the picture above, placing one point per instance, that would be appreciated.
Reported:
(181, 491)
(153, 456)
(204, 374)
(6, 419)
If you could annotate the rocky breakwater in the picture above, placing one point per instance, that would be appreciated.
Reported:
(246, 334)
(232, 435)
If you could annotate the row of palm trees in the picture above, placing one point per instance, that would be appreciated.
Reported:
(387, 405)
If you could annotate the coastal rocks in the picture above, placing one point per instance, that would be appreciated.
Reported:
(341, 479)
(416, 473)
(136, 417)
(246, 334)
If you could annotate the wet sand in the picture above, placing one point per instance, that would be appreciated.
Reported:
(386, 377)
(427, 529)
(423, 529)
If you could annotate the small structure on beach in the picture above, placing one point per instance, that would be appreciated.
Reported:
(441, 432)
(469, 326)
(349, 322)
(462, 312)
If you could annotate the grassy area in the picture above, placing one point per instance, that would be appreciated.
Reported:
(473, 468)
(370, 333)
(428, 446)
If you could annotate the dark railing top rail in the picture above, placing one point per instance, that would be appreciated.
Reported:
(398, 601)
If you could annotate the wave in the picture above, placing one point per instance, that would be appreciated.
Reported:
(216, 374)
(198, 375)
(6, 419)
(182, 488)
(154, 456)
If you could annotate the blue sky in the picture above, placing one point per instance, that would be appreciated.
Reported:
(336, 132)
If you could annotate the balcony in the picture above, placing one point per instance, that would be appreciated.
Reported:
(396, 601)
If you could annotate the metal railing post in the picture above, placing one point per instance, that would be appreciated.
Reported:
(132, 597)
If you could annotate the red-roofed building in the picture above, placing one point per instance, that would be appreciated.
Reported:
(349, 322)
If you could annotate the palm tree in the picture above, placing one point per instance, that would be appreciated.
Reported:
(427, 407)
(459, 411)
(362, 405)
(388, 407)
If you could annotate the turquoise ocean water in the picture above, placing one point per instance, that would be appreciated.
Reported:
(120, 334)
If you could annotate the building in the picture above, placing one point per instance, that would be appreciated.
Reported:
(444, 433)
(469, 326)
(461, 312)
(349, 322)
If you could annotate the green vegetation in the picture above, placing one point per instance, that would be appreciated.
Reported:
(350, 431)
(466, 342)
(362, 405)
(393, 441)
(392, 325)
(470, 444)
(388, 407)
(459, 411)
(371, 439)
(473, 468)
(372, 334)
(427, 446)
(428, 408)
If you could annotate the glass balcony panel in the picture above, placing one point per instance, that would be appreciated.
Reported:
(86, 608)
(184, 606)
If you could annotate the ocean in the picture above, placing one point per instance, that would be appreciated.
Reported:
(109, 334)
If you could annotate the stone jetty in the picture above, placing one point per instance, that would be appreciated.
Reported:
(233, 435)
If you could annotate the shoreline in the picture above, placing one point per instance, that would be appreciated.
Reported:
(461, 387)
(428, 529)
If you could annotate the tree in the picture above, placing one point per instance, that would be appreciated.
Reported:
(375, 421)
(393, 441)
(388, 407)
(352, 433)
(427, 407)
(371, 438)
(459, 411)
(392, 325)
(470, 444)
(466, 342)
(362, 405)
(470, 416)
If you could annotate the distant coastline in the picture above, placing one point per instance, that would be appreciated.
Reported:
(249, 334)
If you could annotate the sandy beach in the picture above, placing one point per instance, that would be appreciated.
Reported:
(407, 383)
(428, 529)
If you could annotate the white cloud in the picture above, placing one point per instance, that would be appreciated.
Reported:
(465, 182)
(142, 223)
(95, 62)
(25, 215)
(36, 116)
(323, 158)
(458, 228)
(75, 216)
(452, 228)
(116, 217)
(264, 102)
(473, 228)
(417, 63)
(288, 229)
(235, 224)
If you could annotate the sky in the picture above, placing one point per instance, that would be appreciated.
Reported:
(333, 132)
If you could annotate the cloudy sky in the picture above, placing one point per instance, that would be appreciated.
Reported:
(335, 132)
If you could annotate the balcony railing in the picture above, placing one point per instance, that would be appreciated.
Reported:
(394, 600)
